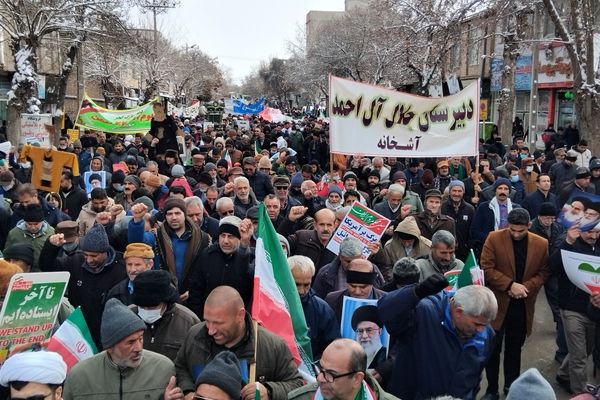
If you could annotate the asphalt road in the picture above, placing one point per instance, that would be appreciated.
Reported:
(538, 351)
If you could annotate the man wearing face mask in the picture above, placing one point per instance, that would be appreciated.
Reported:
(528, 176)
(323, 327)
(167, 323)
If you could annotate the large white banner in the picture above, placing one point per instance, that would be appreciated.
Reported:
(374, 121)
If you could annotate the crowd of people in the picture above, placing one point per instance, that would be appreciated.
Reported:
(161, 262)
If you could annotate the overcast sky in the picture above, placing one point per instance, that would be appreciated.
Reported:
(240, 33)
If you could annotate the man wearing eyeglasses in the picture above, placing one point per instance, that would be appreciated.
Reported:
(341, 374)
(34, 375)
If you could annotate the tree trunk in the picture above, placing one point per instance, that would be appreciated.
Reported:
(66, 69)
(23, 94)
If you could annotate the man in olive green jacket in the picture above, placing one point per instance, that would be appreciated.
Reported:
(342, 374)
(124, 371)
(227, 326)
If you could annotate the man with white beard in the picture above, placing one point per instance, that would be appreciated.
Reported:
(367, 325)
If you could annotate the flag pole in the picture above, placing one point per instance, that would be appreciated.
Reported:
(252, 366)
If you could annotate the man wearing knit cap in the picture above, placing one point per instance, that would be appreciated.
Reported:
(221, 378)
(32, 230)
(180, 242)
(443, 178)
(94, 270)
(232, 253)
(492, 215)
(531, 385)
(515, 263)
(228, 327)
(124, 369)
(334, 199)
(351, 183)
(155, 298)
(130, 184)
(138, 258)
(34, 375)
(581, 184)
(20, 254)
(462, 213)
(533, 201)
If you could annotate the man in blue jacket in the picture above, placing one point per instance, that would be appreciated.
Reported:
(443, 341)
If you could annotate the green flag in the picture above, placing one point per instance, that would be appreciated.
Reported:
(465, 278)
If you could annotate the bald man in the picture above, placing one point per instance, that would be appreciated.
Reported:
(310, 242)
(341, 374)
(227, 326)
(359, 284)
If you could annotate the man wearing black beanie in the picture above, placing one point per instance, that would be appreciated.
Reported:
(231, 253)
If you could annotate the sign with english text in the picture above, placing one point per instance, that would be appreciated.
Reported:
(375, 121)
(30, 309)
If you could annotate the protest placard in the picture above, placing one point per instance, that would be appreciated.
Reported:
(582, 209)
(30, 309)
(361, 222)
(583, 270)
(35, 129)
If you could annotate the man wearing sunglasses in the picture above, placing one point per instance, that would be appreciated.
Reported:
(34, 375)
(341, 374)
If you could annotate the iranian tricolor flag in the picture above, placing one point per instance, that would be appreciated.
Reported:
(72, 340)
(276, 304)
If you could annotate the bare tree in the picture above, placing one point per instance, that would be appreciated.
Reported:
(514, 20)
(27, 23)
(576, 29)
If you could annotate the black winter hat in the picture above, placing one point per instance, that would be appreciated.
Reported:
(19, 251)
(150, 288)
(33, 213)
(547, 209)
(223, 372)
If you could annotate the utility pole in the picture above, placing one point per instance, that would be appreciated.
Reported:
(157, 7)
(533, 96)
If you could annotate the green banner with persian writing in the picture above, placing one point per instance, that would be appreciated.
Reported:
(124, 122)
(30, 309)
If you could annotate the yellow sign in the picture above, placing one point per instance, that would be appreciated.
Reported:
(73, 135)
(483, 109)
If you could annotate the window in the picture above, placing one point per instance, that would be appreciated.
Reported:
(474, 45)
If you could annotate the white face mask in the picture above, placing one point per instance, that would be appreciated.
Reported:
(529, 168)
(149, 316)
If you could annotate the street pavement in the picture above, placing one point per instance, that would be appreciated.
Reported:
(538, 351)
